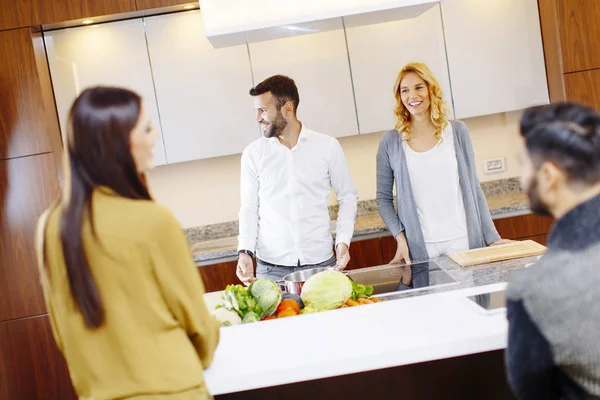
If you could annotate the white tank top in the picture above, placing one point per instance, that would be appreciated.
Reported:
(436, 188)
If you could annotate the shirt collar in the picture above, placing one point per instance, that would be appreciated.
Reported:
(305, 134)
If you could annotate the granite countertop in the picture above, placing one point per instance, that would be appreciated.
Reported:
(210, 251)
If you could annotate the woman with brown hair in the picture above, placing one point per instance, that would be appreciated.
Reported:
(440, 205)
(123, 295)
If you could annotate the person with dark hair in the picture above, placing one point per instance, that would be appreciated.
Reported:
(286, 178)
(124, 299)
(553, 307)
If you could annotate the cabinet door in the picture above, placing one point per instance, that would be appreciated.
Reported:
(495, 55)
(579, 25)
(378, 52)
(112, 54)
(217, 276)
(31, 366)
(318, 62)
(365, 253)
(23, 129)
(523, 226)
(584, 87)
(202, 92)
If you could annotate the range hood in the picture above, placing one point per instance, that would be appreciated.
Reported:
(233, 22)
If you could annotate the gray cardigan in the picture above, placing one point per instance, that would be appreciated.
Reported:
(391, 166)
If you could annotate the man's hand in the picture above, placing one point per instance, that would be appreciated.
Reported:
(342, 256)
(245, 269)
(501, 241)
(401, 250)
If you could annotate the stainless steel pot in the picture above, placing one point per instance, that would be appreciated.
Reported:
(292, 283)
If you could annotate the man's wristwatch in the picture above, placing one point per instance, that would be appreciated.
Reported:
(246, 252)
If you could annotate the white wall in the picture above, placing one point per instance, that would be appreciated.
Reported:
(206, 191)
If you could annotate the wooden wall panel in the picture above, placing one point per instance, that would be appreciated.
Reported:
(552, 49)
(28, 186)
(21, 13)
(22, 131)
(579, 25)
(149, 4)
(31, 366)
(584, 87)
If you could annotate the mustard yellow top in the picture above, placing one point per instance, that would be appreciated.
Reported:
(158, 335)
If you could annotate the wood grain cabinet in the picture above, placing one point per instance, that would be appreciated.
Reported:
(31, 366)
(217, 276)
(149, 4)
(28, 186)
(579, 27)
(530, 226)
(22, 13)
(584, 87)
(22, 132)
(365, 253)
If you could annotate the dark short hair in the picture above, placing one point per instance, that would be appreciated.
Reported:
(282, 87)
(567, 134)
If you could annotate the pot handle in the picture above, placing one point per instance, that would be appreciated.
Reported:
(333, 268)
(281, 285)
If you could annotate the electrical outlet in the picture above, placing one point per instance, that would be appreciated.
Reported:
(494, 165)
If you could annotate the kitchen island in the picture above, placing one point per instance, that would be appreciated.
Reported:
(425, 343)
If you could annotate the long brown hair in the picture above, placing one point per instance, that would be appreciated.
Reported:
(98, 153)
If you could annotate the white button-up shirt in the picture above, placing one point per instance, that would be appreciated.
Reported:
(284, 215)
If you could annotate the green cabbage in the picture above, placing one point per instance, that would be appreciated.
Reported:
(267, 294)
(326, 290)
(250, 317)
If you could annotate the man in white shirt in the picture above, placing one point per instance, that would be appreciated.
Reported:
(286, 179)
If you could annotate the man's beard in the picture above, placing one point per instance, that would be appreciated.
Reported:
(275, 128)
(536, 204)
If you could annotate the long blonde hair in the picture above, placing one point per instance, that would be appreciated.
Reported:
(437, 107)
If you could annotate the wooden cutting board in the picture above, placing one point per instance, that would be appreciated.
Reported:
(508, 251)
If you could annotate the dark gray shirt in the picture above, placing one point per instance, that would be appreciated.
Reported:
(553, 309)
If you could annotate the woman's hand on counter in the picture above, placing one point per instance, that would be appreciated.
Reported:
(501, 241)
(245, 269)
(402, 253)
(342, 256)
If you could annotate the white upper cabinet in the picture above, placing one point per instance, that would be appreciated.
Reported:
(378, 52)
(112, 54)
(318, 62)
(495, 55)
(202, 92)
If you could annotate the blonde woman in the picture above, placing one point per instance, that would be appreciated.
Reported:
(440, 205)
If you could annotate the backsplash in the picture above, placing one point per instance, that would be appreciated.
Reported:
(365, 207)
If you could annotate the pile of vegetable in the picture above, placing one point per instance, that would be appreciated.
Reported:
(263, 299)
(242, 306)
